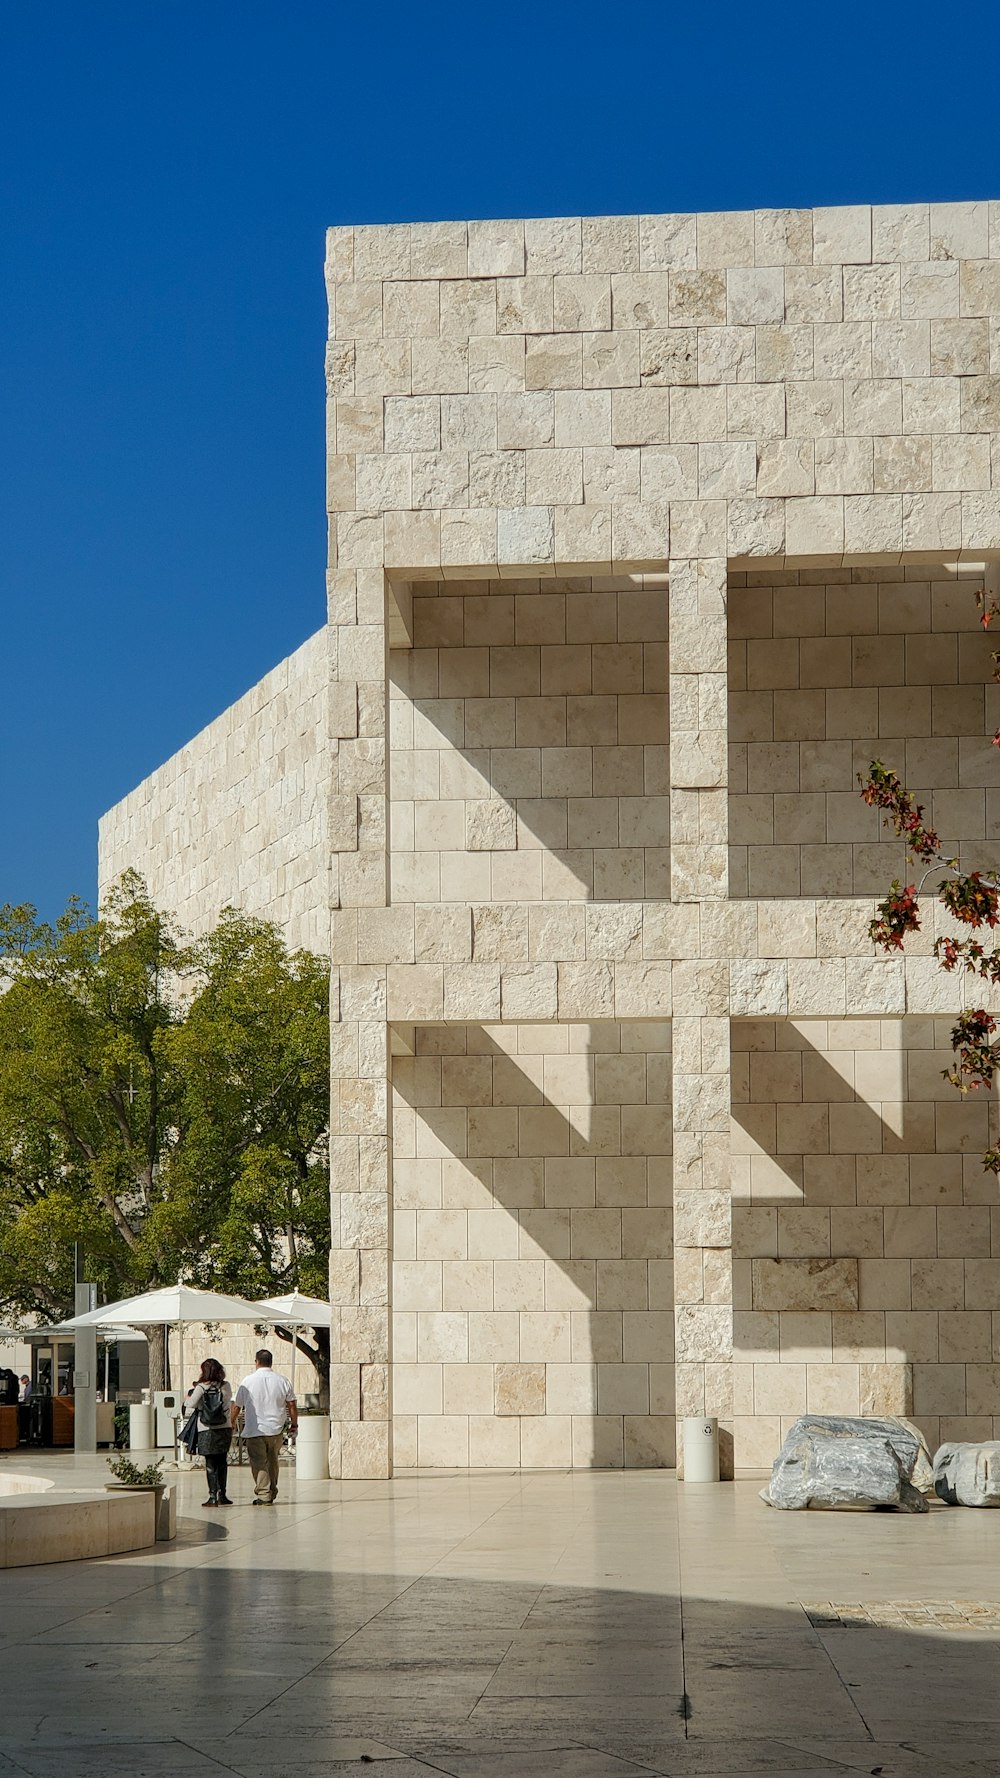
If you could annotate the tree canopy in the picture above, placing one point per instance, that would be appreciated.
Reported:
(163, 1102)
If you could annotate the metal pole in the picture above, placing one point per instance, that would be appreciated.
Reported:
(84, 1363)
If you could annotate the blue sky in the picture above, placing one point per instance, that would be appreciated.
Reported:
(166, 175)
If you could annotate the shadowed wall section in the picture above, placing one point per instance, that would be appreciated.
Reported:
(532, 1246)
(850, 1145)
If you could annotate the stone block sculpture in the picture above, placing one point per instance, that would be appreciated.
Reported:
(835, 1461)
(968, 1475)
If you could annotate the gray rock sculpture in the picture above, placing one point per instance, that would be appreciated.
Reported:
(968, 1475)
(833, 1460)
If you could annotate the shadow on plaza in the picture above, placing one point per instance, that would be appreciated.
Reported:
(275, 1670)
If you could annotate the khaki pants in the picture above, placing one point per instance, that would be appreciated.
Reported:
(263, 1454)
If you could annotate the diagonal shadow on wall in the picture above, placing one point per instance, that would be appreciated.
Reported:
(864, 1154)
(529, 735)
(535, 1216)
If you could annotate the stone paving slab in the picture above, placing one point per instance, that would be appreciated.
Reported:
(638, 1632)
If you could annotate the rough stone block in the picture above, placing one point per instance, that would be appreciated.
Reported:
(702, 1219)
(518, 1389)
(529, 993)
(805, 1284)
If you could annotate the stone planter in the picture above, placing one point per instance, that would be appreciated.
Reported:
(166, 1504)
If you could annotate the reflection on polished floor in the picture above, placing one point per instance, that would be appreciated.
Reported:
(585, 1625)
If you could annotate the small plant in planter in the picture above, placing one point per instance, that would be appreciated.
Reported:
(129, 1475)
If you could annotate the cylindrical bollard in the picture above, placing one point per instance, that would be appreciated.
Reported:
(312, 1448)
(140, 1426)
(701, 1450)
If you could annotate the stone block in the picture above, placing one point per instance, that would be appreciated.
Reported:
(490, 826)
(364, 1220)
(840, 1464)
(365, 1451)
(530, 993)
(586, 990)
(805, 1284)
(704, 1335)
(758, 987)
(471, 991)
(364, 1335)
(643, 990)
(886, 1389)
(518, 1389)
(702, 1219)
(875, 987)
(499, 933)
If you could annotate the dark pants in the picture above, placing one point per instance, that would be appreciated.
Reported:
(216, 1469)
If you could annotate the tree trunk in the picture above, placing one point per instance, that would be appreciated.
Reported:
(159, 1355)
(321, 1359)
(318, 1356)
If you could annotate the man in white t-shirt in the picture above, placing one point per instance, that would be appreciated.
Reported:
(267, 1404)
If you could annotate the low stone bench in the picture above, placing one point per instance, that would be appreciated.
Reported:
(42, 1523)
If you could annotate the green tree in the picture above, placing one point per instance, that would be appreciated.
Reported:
(165, 1104)
(254, 1053)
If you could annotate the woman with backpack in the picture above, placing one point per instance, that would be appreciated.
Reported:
(210, 1400)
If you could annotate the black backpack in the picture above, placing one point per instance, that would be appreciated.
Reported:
(212, 1409)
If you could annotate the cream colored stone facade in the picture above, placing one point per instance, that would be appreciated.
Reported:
(238, 816)
(646, 534)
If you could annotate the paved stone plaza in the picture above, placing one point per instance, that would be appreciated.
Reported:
(547, 1625)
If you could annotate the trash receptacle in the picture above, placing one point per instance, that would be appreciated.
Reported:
(701, 1450)
(140, 1426)
(312, 1448)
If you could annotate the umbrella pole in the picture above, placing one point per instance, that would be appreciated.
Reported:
(178, 1459)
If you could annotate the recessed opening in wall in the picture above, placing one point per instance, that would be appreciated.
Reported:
(529, 741)
(532, 1246)
(864, 1226)
(829, 669)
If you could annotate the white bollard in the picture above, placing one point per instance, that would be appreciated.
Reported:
(701, 1450)
(312, 1448)
(140, 1426)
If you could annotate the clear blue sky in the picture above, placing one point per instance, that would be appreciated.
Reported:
(166, 175)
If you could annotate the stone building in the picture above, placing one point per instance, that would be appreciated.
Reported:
(646, 534)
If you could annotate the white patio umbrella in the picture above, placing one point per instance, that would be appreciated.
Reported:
(303, 1311)
(176, 1305)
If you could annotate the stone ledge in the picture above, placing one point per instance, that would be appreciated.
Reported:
(62, 1526)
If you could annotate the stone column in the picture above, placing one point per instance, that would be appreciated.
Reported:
(360, 1257)
(703, 1290)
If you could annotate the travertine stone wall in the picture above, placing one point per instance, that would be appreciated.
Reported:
(827, 673)
(528, 743)
(238, 818)
(532, 1268)
(568, 394)
(848, 1142)
(545, 438)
